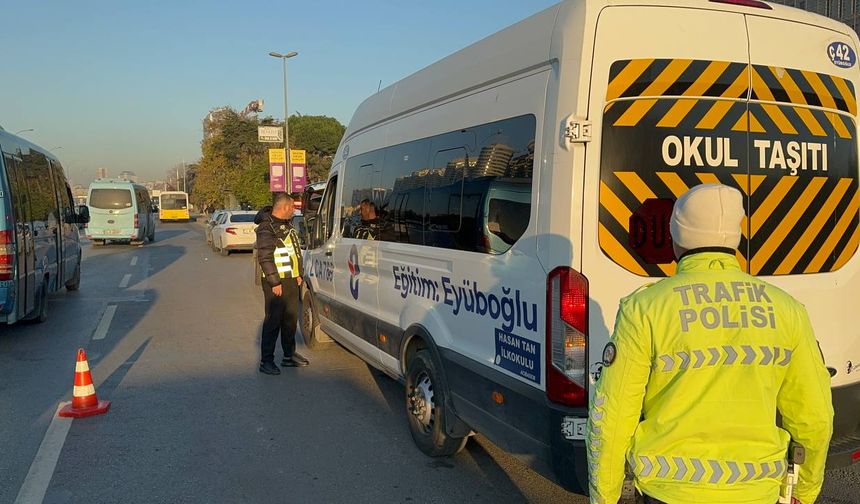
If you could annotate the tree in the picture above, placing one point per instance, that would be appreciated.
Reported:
(235, 164)
(320, 136)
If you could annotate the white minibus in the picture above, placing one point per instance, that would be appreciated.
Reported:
(509, 196)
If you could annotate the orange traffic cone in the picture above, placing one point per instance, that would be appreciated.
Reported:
(84, 400)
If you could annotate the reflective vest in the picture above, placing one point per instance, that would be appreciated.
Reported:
(286, 257)
(693, 376)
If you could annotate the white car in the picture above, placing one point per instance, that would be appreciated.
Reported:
(234, 231)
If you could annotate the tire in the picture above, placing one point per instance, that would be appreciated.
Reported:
(75, 283)
(426, 404)
(40, 314)
(309, 321)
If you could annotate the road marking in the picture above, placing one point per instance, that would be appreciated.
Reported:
(104, 323)
(134, 261)
(125, 280)
(42, 469)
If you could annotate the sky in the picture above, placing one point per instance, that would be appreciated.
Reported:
(125, 85)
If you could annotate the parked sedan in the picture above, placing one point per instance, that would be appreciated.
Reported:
(234, 231)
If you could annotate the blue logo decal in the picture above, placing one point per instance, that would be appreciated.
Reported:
(354, 271)
(518, 355)
(842, 54)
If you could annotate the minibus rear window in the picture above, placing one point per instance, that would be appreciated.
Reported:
(110, 199)
(242, 218)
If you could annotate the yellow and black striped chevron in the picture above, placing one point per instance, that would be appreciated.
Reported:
(655, 78)
(797, 166)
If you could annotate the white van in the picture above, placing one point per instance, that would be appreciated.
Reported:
(495, 314)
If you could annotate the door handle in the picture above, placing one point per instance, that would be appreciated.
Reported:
(328, 253)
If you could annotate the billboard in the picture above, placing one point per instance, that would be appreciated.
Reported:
(298, 171)
(277, 170)
(270, 134)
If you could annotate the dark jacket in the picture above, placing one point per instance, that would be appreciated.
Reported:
(270, 232)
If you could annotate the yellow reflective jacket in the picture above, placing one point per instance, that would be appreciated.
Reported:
(703, 361)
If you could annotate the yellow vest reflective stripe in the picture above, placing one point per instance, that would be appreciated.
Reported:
(286, 259)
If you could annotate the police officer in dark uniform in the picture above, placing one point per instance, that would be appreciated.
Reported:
(280, 256)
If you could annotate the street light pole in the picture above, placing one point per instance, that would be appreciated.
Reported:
(284, 58)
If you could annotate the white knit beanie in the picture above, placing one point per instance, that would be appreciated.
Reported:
(708, 215)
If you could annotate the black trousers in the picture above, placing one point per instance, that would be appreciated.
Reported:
(281, 318)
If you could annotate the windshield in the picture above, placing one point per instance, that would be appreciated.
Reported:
(242, 218)
(110, 199)
(174, 202)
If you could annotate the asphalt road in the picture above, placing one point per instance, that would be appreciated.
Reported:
(193, 421)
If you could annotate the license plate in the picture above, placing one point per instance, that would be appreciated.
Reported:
(111, 231)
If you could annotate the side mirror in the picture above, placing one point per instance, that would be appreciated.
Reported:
(83, 215)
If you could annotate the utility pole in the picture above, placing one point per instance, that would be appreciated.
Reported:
(284, 58)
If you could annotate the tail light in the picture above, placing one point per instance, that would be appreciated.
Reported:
(231, 230)
(136, 221)
(567, 337)
(7, 255)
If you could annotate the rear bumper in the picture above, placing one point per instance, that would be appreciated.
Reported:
(123, 234)
(239, 246)
(241, 242)
(526, 425)
(845, 444)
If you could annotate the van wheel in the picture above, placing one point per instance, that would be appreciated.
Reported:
(309, 321)
(75, 283)
(40, 314)
(426, 403)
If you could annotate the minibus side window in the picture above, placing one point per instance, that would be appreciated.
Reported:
(445, 195)
(360, 201)
(65, 202)
(38, 178)
(434, 191)
(18, 197)
(402, 208)
(327, 207)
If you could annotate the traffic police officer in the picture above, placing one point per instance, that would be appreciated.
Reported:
(696, 370)
(280, 257)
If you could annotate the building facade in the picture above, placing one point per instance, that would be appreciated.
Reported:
(846, 11)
